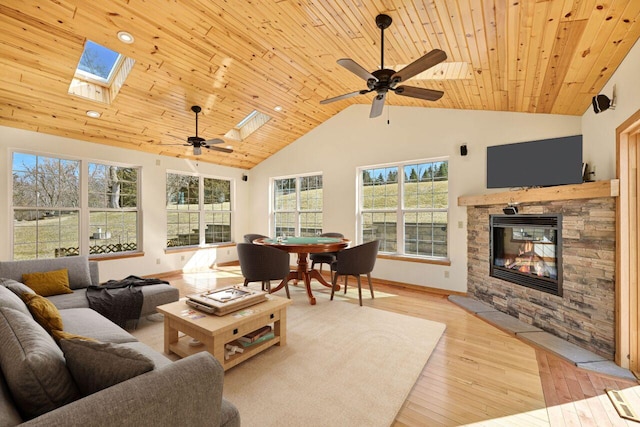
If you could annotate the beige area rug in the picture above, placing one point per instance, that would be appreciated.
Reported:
(343, 365)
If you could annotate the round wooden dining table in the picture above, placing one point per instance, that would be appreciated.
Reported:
(303, 246)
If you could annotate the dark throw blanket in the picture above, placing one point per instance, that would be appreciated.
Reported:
(119, 300)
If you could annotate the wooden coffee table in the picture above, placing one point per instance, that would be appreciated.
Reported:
(214, 332)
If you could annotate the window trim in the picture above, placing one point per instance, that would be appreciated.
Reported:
(201, 211)
(400, 210)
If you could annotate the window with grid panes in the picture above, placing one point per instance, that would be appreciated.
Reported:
(198, 210)
(405, 206)
(297, 206)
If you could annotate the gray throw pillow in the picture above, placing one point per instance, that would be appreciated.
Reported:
(33, 365)
(16, 287)
(11, 300)
(97, 365)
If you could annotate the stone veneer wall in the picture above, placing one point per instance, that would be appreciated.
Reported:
(584, 315)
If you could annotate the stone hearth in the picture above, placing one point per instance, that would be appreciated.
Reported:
(584, 315)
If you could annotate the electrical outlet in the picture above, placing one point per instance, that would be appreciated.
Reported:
(446, 274)
(158, 261)
(228, 251)
(460, 224)
(181, 257)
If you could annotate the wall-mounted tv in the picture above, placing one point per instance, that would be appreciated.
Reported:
(546, 162)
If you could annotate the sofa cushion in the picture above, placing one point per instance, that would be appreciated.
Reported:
(78, 299)
(48, 283)
(33, 365)
(11, 300)
(62, 335)
(9, 415)
(96, 365)
(43, 311)
(77, 266)
(89, 323)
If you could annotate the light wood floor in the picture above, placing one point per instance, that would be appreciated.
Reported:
(477, 375)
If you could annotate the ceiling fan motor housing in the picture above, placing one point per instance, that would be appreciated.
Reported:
(384, 79)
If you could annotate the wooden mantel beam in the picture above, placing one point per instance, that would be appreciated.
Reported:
(587, 190)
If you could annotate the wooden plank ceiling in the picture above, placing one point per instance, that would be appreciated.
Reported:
(232, 57)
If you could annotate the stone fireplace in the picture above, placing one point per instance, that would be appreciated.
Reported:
(583, 313)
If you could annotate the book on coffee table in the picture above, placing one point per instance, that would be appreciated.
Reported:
(265, 337)
(255, 335)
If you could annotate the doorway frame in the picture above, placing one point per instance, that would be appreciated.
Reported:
(627, 244)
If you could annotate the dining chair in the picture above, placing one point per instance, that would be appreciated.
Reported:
(324, 257)
(355, 261)
(249, 238)
(263, 264)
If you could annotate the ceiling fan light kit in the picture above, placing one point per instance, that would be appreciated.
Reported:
(384, 80)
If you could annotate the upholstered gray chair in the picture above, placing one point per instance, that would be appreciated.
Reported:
(249, 238)
(353, 262)
(324, 257)
(263, 264)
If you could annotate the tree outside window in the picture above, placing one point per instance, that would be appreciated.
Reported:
(45, 205)
(113, 208)
(198, 210)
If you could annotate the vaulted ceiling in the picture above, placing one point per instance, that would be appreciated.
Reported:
(232, 57)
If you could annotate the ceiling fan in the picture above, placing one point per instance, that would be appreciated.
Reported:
(198, 143)
(384, 80)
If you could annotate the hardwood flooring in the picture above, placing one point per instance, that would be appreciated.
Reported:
(478, 375)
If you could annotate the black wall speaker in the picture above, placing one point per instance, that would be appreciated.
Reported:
(463, 150)
(245, 177)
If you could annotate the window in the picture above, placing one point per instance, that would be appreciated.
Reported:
(198, 210)
(297, 206)
(98, 63)
(248, 125)
(405, 206)
(48, 207)
(113, 208)
(100, 73)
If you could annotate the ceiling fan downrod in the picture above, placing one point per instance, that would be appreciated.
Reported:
(196, 109)
(382, 21)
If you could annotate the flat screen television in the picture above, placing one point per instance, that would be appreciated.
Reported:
(546, 162)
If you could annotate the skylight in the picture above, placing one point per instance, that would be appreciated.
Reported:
(100, 73)
(98, 63)
(248, 125)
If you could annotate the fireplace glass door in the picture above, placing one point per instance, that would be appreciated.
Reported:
(525, 250)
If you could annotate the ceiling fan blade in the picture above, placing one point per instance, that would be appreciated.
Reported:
(377, 105)
(418, 92)
(220, 149)
(213, 141)
(345, 96)
(356, 69)
(425, 62)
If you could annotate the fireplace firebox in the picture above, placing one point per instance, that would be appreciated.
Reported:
(527, 250)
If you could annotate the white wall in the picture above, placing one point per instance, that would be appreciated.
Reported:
(154, 169)
(350, 139)
(599, 130)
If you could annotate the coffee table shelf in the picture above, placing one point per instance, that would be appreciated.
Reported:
(214, 332)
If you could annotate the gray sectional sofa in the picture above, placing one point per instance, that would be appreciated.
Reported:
(40, 384)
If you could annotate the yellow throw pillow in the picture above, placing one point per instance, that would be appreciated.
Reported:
(54, 282)
(43, 311)
(62, 335)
